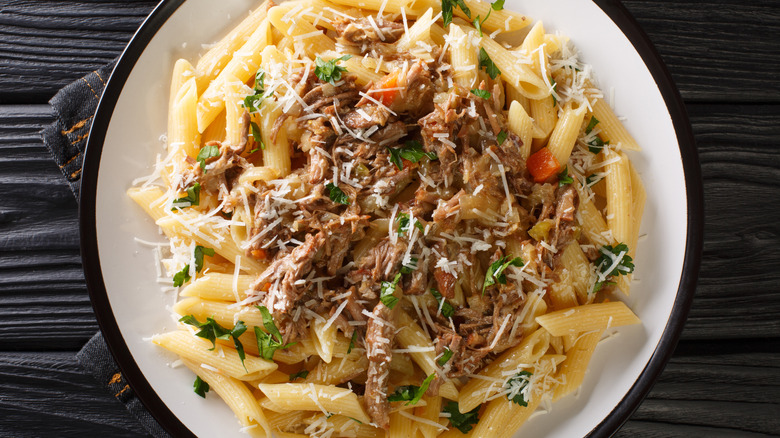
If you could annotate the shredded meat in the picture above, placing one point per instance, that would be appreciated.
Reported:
(379, 343)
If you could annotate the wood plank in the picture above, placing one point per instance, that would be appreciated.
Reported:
(46, 390)
(712, 48)
(46, 44)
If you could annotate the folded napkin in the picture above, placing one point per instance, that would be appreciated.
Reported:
(66, 139)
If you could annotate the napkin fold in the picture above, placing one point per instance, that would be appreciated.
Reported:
(74, 107)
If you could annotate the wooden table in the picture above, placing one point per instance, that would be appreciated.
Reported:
(724, 379)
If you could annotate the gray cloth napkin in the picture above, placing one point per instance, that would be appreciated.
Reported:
(66, 139)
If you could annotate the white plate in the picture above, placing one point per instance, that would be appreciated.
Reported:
(125, 139)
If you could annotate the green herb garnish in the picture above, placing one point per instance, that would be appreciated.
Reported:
(564, 178)
(488, 64)
(252, 101)
(445, 357)
(182, 276)
(501, 137)
(481, 93)
(270, 340)
(447, 7)
(403, 223)
(388, 289)
(495, 273)
(192, 198)
(328, 71)
(206, 152)
(516, 386)
(446, 308)
(211, 330)
(352, 341)
(302, 374)
(613, 262)
(411, 393)
(592, 124)
(336, 194)
(200, 387)
(463, 422)
(199, 252)
(412, 151)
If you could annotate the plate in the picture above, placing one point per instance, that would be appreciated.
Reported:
(125, 138)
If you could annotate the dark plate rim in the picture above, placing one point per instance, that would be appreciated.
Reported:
(630, 402)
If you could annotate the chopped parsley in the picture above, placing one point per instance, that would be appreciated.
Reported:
(517, 386)
(446, 308)
(592, 179)
(270, 340)
(411, 267)
(199, 252)
(478, 23)
(552, 91)
(182, 276)
(336, 194)
(463, 422)
(597, 145)
(192, 198)
(200, 387)
(403, 223)
(386, 292)
(612, 263)
(592, 124)
(488, 64)
(481, 93)
(497, 5)
(352, 341)
(411, 393)
(252, 101)
(564, 178)
(211, 330)
(447, 6)
(495, 273)
(206, 152)
(328, 71)
(257, 136)
(412, 151)
(445, 357)
(302, 374)
(501, 137)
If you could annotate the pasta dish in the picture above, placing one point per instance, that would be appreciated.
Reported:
(391, 218)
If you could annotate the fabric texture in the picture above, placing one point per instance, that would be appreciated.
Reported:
(74, 107)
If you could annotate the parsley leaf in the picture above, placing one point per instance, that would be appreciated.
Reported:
(352, 341)
(257, 136)
(182, 276)
(403, 223)
(516, 385)
(592, 179)
(302, 374)
(412, 151)
(488, 64)
(463, 422)
(386, 292)
(270, 340)
(199, 252)
(192, 198)
(200, 387)
(447, 7)
(497, 5)
(478, 23)
(411, 267)
(481, 93)
(592, 124)
(412, 393)
(211, 330)
(336, 194)
(445, 357)
(552, 92)
(606, 266)
(495, 273)
(446, 308)
(206, 152)
(501, 137)
(328, 71)
(564, 178)
(596, 145)
(252, 101)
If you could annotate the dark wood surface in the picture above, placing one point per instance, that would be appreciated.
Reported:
(724, 379)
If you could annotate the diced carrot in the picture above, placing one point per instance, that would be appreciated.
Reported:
(542, 164)
(385, 89)
(259, 254)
